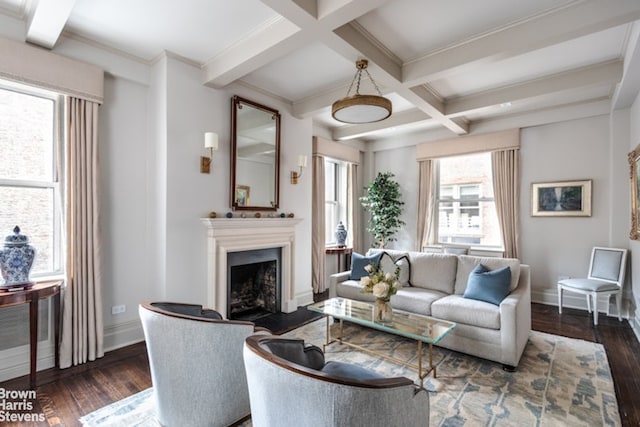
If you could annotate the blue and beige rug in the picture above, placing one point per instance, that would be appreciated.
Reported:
(559, 382)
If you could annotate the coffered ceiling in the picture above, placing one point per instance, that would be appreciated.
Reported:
(446, 65)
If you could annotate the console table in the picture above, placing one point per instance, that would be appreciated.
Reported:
(341, 252)
(32, 295)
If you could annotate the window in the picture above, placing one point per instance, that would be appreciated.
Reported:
(335, 196)
(29, 184)
(466, 205)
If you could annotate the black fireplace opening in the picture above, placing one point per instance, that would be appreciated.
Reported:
(253, 284)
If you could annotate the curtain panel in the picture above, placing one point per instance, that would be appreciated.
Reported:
(82, 322)
(318, 227)
(506, 184)
(426, 204)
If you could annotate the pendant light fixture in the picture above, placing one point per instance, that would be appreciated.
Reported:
(359, 108)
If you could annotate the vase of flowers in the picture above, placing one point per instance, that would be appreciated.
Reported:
(383, 286)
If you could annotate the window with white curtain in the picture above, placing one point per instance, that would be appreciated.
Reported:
(335, 187)
(465, 201)
(30, 193)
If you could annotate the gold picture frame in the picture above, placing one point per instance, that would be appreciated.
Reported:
(561, 198)
(242, 195)
(634, 168)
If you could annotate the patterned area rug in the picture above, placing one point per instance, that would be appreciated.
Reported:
(559, 382)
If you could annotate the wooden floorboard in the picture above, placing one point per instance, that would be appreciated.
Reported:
(65, 395)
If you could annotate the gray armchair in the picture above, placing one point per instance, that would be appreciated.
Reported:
(196, 364)
(291, 385)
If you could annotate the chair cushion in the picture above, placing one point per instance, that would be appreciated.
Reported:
(296, 351)
(347, 370)
(388, 265)
(188, 310)
(359, 262)
(489, 286)
(591, 285)
(456, 308)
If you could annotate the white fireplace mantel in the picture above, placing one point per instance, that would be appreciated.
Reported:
(245, 234)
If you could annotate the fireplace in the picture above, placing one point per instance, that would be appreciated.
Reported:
(253, 283)
(230, 235)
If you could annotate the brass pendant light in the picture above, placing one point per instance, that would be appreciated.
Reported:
(357, 108)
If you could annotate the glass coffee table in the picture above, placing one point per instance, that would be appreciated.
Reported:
(423, 329)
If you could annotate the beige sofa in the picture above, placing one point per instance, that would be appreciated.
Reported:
(437, 283)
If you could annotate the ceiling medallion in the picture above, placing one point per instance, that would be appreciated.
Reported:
(357, 108)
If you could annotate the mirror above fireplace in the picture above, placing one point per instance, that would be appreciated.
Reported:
(255, 155)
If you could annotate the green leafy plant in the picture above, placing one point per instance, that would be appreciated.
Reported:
(383, 202)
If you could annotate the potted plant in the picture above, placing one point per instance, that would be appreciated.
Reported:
(383, 202)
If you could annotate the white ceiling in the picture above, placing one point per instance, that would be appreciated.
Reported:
(444, 64)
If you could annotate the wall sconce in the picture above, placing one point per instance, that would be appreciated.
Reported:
(210, 142)
(302, 163)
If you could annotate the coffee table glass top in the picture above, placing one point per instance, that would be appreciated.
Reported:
(424, 328)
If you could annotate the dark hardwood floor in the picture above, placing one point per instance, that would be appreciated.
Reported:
(63, 396)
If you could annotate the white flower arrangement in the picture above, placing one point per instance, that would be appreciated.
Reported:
(382, 285)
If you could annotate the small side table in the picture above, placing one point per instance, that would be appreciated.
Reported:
(343, 253)
(32, 295)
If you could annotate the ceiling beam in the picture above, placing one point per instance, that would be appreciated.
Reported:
(47, 20)
(608, 72)
(295, 28)
(563, 25)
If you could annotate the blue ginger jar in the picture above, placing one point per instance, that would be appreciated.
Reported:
(16, 260)
(341, 234)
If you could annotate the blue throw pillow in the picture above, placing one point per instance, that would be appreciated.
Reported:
(488, 286)
(359, 262)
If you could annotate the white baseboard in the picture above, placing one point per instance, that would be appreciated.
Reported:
(304, 299)
(577, 301)
(15, 362)
(123, 334)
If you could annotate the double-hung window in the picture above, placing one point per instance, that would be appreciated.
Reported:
(30, 188)
(465, 201)
(335, 187)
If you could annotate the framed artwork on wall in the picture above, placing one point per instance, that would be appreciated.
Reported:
(634, 165)
(562, 198)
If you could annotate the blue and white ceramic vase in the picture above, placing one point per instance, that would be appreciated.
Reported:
(341, 234)
(16, 260)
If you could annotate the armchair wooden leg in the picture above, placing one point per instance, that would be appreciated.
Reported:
(595, 309)
(559, 299)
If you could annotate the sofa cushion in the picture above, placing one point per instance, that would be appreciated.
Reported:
(388, 264)
(349, 371)
(415, 300)
(486, 285)
(352, 289)
(456, 308)
(433, 271)
(359, 262)
(466, 263)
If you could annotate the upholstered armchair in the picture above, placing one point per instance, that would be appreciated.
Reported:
(291, 385)
(196, 364)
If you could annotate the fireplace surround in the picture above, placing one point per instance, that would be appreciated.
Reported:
(225, 235)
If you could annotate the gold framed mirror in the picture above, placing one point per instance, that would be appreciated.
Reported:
(634, 167)
(255, 156)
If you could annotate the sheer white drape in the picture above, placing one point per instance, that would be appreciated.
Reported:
(426, 203)
(353, 201)
(318, 226)
(506, 184)
(82, 323)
